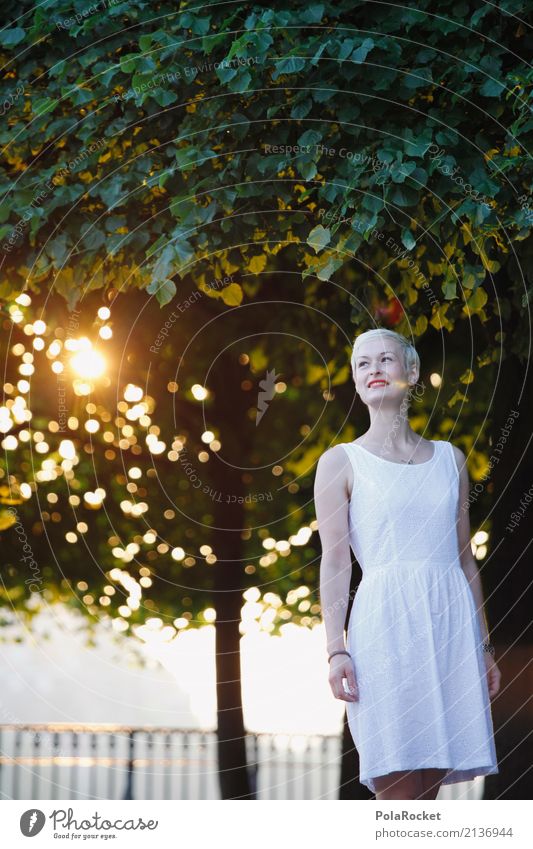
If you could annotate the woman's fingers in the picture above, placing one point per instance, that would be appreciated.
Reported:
(494, 681)
(350, 677)
(341, 671)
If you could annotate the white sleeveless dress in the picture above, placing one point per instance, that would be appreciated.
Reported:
(413, 632)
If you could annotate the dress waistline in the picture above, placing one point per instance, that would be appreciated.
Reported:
(449, 563)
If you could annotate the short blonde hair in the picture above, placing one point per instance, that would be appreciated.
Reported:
(410, 355)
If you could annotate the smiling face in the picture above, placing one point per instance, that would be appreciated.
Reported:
(380, 374)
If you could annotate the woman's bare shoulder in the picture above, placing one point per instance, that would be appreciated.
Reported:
(334, 455)
(334, 464)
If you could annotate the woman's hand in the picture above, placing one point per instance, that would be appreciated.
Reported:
(493, 675)
(341, 666)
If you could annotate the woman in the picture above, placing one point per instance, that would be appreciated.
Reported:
(418, 664)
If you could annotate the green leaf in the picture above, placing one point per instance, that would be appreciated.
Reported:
(450, 290)
(491, 88)
(408, 239)
(185, 155)
(241, 125)
(318, 238)
(360, 53)
(110, 192)
(289, 65)
(350, 242)
(200, 26)
(372, 203)
(182, 207)
(476, 301)
(158, 245)
(58, 249)
(44, 105)
(93, 239)
(319, 52)
(479, 14)
(164, 98)
(401, 170)
(325, 272)
(209, 42)
(306, 167)
(472, 276)
(402, 196)
(313, 14)
(79, 96)
(300, 110)
(322, 95)
(11, 37)
(127, 62)
(241, 82)
(164, 264)
(226, 74)
(417, 78)
(416, 145)
(310, 137)
(57, 69)
(184, 252)
(164, 291)
(345, 49)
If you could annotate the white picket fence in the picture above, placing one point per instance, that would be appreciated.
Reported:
(67, 761)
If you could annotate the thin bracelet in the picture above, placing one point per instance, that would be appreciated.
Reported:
(488, 647)
(338, 652)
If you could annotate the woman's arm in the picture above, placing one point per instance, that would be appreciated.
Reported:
(331, 508)
(470, 569)
(468, 563)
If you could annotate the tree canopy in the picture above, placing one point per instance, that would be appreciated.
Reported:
(222, 148)
(148, 143)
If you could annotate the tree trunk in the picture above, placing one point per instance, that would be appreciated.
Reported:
(229, 408)
(506, 577)
(232, 762)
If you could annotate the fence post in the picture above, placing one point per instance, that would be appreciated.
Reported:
(253, 766)
(129, 780)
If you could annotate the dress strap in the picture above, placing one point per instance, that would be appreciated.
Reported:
(451, 460)
(364, 467)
